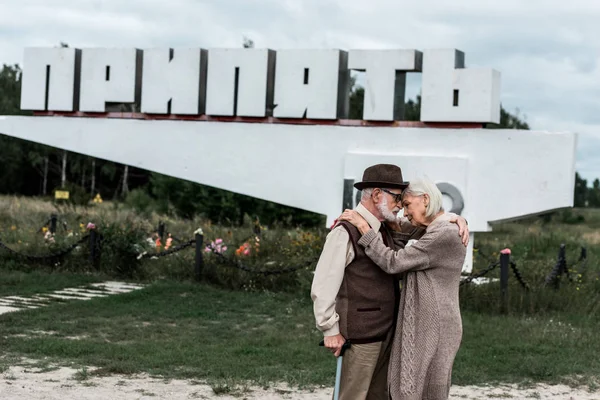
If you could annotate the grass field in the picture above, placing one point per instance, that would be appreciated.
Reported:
(178, 328)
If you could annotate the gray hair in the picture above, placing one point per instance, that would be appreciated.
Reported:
(424, 186)
(366, 193)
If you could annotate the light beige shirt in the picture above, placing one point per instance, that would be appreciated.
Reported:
(329, 273)
(337, 254)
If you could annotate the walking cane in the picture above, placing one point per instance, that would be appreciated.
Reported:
(338, 373)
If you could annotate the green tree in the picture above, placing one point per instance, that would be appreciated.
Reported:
(10, 90)
(357, 100)
(594, 194)
(412, 109)
(581, 191)
(12, 151)
(510, 121)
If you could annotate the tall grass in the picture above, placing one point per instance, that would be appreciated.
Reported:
(128, 234)
(534, 242)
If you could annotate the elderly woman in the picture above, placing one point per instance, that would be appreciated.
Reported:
(429, 327)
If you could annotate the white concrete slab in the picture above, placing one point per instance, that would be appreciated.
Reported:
(4, 310)
(65, 297)
(81, 292)
(16, 303)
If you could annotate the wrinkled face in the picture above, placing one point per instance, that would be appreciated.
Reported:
(389, 203)
(415, 208)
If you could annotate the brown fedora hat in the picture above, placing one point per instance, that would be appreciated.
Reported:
(382, 176)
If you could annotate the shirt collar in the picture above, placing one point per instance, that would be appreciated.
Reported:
(371, 219)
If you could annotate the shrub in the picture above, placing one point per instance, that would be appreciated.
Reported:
(120, 246)
(140, 201)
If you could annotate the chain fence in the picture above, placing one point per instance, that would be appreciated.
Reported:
(513, 265)
(47, 257)
(95, 239)
(561, 268)
(481, 274)
(518, 275)
(170, 251)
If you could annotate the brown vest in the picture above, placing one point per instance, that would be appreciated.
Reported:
(367, 300)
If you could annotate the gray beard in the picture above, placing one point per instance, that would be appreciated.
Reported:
(385, 212)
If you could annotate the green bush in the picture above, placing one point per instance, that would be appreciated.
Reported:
(140, 201)
(120, 246)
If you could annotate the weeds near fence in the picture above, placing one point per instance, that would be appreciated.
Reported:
(258, 258)
(127, 245)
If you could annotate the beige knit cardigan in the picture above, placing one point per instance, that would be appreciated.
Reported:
(429, 326)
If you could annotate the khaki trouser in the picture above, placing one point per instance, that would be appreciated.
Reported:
(364, 371)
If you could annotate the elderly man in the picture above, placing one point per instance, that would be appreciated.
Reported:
(353, 298)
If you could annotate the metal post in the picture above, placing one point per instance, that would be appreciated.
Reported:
(583, 255)
(93, 247)
(257, 230)
(161, 232)
(504, 265)
(53, 219)
(199, 265)
(562, 260)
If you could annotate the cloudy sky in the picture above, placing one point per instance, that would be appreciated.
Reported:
(547, 51)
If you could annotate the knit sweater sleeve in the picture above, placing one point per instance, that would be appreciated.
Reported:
(412, 258)
(409, 230)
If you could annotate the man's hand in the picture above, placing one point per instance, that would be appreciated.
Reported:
(463, 228)
(334, 343)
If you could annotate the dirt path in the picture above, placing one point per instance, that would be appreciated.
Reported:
(70, 384)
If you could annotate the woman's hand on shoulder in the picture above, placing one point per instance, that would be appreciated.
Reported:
(355, 219)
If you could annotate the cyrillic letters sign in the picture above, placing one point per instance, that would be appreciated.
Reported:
(312, 84)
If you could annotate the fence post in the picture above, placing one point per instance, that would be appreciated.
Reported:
(582, 260)
(53, 219)
(504, 265)
(199, 260)
(562, 259)
(256, 229)
(93, 247)
(161, 232)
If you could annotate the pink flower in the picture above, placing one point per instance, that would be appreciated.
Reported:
(218, 246)
(505, 251)
(90, 226)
